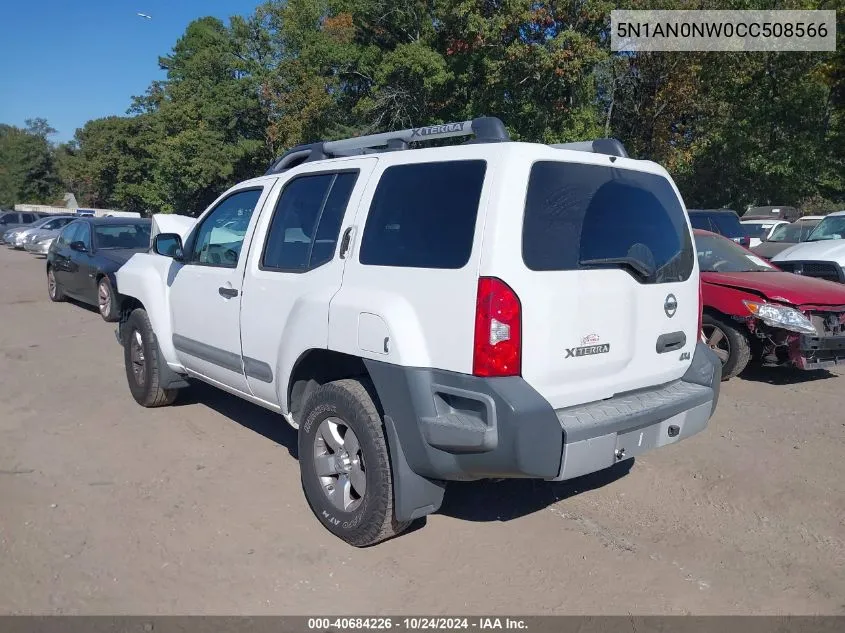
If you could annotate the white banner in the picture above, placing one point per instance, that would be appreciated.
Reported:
(735, 31)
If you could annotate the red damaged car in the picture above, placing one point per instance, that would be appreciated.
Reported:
(754, 312)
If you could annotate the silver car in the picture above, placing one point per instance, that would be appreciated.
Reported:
(40, 244)
(23, 235)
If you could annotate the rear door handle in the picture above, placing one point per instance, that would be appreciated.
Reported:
(229, 293)
(670, 342)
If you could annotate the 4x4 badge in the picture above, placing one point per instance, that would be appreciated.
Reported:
(670, 306)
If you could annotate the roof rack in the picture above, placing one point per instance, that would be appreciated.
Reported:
(609, 146)
(485, 130)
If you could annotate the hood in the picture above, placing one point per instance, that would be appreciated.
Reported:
(782, 287)
(172, 223)
(825, 250)
(119, 255)
(770, 249)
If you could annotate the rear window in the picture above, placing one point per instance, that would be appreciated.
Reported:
(423, 215)
(587, 216)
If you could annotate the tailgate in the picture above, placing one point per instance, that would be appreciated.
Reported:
(609, 290)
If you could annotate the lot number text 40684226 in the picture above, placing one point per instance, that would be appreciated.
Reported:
(415, 623)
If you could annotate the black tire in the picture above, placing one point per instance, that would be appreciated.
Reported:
(372, 520)
(142, 373)
(107, 301)
(54, 289)
(732, 346)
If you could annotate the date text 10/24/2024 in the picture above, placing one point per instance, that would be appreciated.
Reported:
(414, 624)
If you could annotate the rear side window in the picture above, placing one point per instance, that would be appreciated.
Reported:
(305, 226)
(588, 216)
(423, 215)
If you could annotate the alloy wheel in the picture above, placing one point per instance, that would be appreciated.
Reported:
(340, 464)
(104, 298)
(718, 341)
(51, 283)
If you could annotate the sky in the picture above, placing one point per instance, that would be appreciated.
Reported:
(70, 61)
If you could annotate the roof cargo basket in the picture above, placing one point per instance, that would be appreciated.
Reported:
(609, 146)
(484, 129)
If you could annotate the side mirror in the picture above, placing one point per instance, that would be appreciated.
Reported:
(169, 245)
(78, 246)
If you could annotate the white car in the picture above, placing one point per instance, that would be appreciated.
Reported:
(759, 230)
(822, 255)
(484, 310)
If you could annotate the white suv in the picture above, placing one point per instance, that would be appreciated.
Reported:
(485, 310)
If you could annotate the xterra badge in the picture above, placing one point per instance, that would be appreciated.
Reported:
(587, 350)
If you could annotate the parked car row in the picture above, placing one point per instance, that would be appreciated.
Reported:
(83, 254)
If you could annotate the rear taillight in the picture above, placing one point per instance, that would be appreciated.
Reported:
(497, 348)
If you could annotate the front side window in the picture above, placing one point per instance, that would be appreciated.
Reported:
(133, 236)
(305, 226)
(83, 234)
(423, 215)
(66, 236)
(591, 216)
(219, 238)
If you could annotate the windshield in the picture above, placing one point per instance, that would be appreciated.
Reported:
(756, 230)
(792, 233)
(831, 228)
(135, 235)
(718, 255)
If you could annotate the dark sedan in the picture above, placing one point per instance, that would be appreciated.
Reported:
(82, 261)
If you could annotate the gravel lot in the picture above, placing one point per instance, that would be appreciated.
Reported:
(108, 508)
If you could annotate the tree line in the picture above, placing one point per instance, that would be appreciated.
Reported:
(733, 129)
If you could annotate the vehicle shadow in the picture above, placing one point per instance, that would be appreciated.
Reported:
(81, 304)
(479, 501)
(251, 416)
(510, 499)
(784, 375)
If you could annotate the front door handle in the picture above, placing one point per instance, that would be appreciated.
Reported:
(229, 293)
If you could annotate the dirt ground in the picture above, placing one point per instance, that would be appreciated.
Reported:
(108, 508)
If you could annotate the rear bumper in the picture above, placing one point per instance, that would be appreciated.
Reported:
(449, 426)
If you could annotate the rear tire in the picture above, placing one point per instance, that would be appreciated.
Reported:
(345, 464)
(730, 344)
(107, 301)
(141, 359)
(53, 288)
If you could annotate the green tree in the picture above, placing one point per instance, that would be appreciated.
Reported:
(27, 166)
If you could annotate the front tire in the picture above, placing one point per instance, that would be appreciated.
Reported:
(345, 465)
(141, 359)
(53, 288)
(729, 343)
(107, 301)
